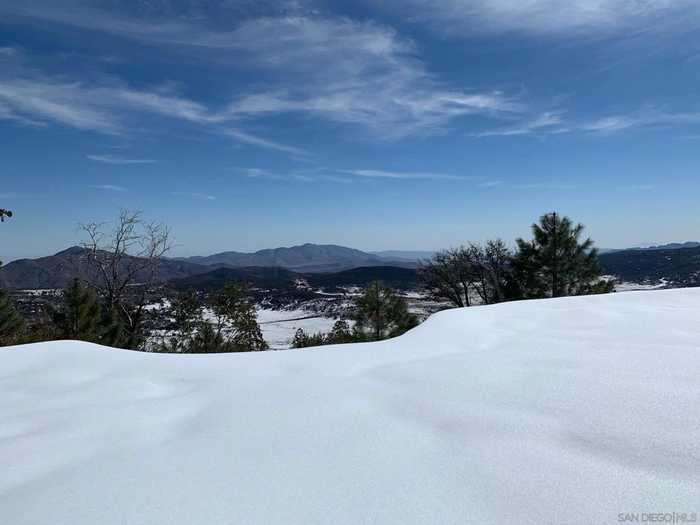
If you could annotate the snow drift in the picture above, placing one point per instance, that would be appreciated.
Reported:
(572, 410)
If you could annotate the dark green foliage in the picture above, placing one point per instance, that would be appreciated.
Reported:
(381, 314)
(209, 340)
(233, 309)
(4, 213)
(80, 317)
(556, 262)
(339, 334)
(247, 336)
(11, 323)
(186, 312)
(393, 276)
(677, 266)
(112, 329)
(304, 340)
(236, 328)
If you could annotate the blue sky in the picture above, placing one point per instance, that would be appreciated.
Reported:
(376, 124)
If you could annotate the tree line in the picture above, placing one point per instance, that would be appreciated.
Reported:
(379, 313)
(556, 262)
(109, 303)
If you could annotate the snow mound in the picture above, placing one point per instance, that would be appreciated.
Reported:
(576, 410)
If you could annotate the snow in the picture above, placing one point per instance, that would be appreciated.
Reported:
(630, 286)
(279, 326)
(569, 411)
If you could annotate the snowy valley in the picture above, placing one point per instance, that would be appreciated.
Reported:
(571, 410)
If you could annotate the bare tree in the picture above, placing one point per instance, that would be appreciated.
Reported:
(473, 271)
(490, 266)
(123, 262)
(449, 276)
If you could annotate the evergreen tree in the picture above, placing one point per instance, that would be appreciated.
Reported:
(247, 336)
(81, 315)
(304, 340)
(556, 262)
(237, 316)
(381, 314)
(208, 340)
(340, 333)
(112, 332)
(186, 312)
(11, 322)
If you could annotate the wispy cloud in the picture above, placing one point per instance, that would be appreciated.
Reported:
(547, 123)
(379, 174)
(542, 17)
(317, 174)
(545, 186)
(329, 67)
(113, 159)
(355, 73)
(260, 173)
(107, 187)
(254, 140)
(194, 195)
(30, 97)
(554, 123)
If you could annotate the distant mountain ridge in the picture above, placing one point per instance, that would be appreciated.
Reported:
(283, 279)
(678, 264)
(672, 246)
(404, 255)
(677, 267)
(303, 258)
(56, 271)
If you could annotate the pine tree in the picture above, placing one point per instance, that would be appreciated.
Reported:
(340, 333)
(11, 322)
(556, 263)
(381, 314)
(80, 317)
(186, 312)
(112, 331)
(4, 213)
(248, 337)
(208, 340)
(304, 340)
(237, 316)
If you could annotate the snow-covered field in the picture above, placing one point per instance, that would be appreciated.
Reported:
(279, 326)
(576, 410)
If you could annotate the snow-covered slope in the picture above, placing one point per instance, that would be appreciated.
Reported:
(560, 411)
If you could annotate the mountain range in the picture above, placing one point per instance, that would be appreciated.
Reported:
(56, 271)
(330, 265)
(264, 267)
(312, 258)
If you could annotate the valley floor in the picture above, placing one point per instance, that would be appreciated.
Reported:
(575, 410)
